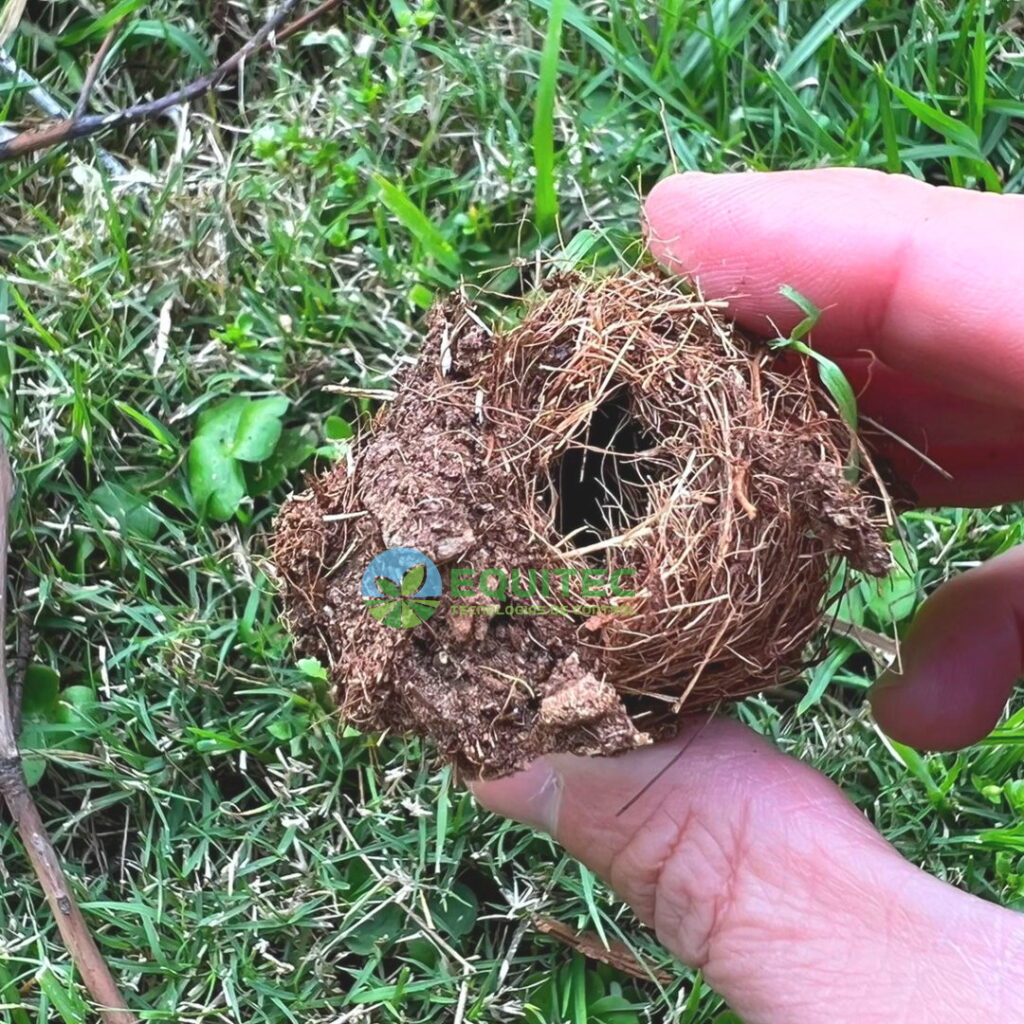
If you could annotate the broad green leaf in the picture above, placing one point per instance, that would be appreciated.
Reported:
(41, 689)
(293, 449)
(379, 928)
(259, 429)
(81, 698)
(894, 597)
(455, 909)
(312, 668)
(33, 767)
(129, 508)
(221, 419)
(218, 484)
(281, 729)
(337, 429)
(388, 587)
(216, 479)
(413, 580)
(75, 711)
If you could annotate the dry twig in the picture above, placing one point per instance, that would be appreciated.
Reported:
(76, 126)
(95, 974)
(49, 106)
(93, 72)
(616, 953)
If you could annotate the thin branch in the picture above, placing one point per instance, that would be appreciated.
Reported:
(49, 106)
(22, 654)
(95, 974)
(93, 72)
(69, 129)
(307, 19)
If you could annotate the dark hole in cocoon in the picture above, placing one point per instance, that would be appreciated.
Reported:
(599, 487)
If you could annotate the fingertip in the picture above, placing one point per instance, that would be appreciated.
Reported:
(673, 212)
(531, 796)
(910, 710)
(960, 660)
(665, 200)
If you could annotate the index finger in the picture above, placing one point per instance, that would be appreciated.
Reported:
(927, 279)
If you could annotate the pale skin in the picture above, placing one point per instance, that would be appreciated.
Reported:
(747, 863)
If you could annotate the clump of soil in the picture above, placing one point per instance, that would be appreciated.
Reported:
(623, 433)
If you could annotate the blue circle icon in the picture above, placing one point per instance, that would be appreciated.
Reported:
(394, 564)
(401, 587)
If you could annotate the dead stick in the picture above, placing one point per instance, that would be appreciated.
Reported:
(49, 106)
(22, 653)
(71, 128)
(93, 72)
(307, 19)
(74, 931)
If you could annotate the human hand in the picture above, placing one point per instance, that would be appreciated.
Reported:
(919, 287)
(747, 863)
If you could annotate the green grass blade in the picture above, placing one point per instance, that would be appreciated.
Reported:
(10, 998)
(890, 137)
(545, 193)
(976, 87)
(948, 127)
(416, 222)
(822, 30)
(66, 1000)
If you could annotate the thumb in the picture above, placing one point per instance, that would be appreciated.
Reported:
(961, 659)
(757, 870)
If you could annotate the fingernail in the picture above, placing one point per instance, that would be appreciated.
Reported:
(531, 796)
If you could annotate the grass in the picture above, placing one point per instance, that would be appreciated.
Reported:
(241, 857)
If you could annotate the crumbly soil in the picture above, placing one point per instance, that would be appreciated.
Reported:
(621, 425)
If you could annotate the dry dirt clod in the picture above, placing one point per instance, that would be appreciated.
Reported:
(664, 494)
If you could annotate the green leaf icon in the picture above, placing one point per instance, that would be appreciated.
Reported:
(401, 612)
(413, 580)
(380, 607)
(398, 605)
(396, 615)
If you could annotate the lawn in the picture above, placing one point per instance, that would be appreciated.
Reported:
(241, 856)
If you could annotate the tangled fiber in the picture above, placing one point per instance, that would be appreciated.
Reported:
(622, 433)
